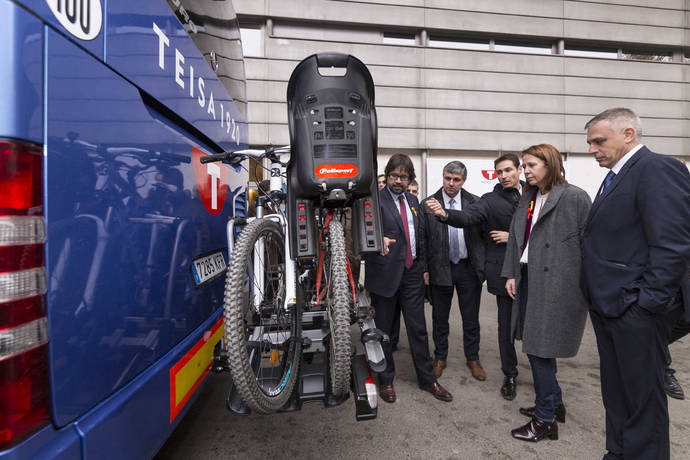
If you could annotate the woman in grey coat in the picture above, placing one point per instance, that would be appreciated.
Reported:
(542, 267)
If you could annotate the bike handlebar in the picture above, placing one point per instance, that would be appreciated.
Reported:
(217, 157)
(235, 157)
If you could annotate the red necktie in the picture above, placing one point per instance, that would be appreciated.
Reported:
(403, 215)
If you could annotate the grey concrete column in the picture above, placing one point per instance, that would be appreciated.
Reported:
(423, 183)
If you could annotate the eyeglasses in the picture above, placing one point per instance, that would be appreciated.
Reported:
(402, 178)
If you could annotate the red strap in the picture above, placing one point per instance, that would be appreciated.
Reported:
(530, 214)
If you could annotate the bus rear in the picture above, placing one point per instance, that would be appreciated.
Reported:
(112, 233)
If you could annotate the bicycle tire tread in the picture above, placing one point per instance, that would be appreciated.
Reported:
(235, 331)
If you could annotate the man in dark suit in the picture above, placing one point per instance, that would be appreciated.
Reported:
(493, 212)
(678, 326)
(395, 277)
(455, 260)
(635, 252)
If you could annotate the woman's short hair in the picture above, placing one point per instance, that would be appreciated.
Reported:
(554, 162)
(400, 159)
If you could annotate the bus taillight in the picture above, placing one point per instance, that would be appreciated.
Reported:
(24, 387)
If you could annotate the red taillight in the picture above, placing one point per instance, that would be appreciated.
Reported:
(23, 395)
(24, 389)
(21, 178)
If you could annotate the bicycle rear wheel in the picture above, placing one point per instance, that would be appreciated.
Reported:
(263, 339)
(339, 300)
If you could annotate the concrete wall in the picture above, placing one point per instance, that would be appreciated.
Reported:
(472, 104)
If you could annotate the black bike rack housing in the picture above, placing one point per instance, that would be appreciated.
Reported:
(333, 141)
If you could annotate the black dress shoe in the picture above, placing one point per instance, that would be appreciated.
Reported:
(536, 430)
(387, 393)
(560, 412)
(438, 391)
(671, 385)
(508, 388)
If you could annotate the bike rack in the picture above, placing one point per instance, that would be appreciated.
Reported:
(333, 139)
(314, 380)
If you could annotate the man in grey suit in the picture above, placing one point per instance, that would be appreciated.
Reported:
(455, 261)
(635, 254)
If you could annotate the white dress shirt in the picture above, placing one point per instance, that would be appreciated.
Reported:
(461, 232)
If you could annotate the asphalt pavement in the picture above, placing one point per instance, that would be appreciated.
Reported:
(475, 425)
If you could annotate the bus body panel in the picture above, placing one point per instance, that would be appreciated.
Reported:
(154, 51)
(123, 226)
(41, 9)
(47, 443)
(21, 58)
(128, 210)
(119, 429)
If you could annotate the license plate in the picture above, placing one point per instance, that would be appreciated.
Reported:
(208, 267)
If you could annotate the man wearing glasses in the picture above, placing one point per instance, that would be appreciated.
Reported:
(455, 260)
(395, 277)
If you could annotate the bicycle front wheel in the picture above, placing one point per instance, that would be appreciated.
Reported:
(263, 338)
(339, 300)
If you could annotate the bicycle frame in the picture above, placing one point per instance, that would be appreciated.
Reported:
(290, 266)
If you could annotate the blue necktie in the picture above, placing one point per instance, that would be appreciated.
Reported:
(607, 180)
(453, 238)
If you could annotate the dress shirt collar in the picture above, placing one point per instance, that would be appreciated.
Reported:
(624, 159)
(446, 199)
(395, 195)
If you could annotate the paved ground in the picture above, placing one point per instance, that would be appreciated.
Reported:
(475, 425)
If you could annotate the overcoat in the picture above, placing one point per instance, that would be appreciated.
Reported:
(556, 307)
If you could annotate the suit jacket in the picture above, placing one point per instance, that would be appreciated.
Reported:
(493, 211)
(637, 238)
(438, 247)
(383, 274)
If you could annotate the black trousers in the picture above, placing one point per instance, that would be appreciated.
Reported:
(676, 328)
(506, 345)
(410, 299)
(395, 331)
(469, 290)
(632, 359)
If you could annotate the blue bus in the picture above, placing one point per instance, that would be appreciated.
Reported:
(112, 233)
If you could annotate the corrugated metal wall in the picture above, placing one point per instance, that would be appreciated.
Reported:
(442, 101)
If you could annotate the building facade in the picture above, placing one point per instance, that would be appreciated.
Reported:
(469, 79)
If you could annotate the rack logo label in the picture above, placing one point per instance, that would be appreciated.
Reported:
(489, 174)
(211, 182)
(334, 171)
(81, 18)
